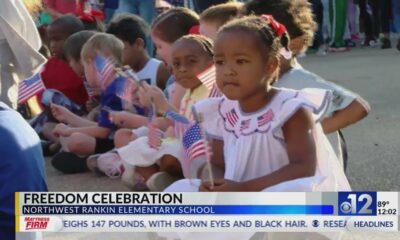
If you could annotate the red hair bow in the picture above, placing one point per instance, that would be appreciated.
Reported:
(277, 26)
(194, 29)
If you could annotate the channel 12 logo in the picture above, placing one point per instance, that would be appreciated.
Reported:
(357, 204)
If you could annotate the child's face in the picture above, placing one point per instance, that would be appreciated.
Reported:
(77, 66)
(188, 60)
(240, 67)
(56, 37)
(209, 29)
(163, 49)
(130, 53)
(90, 73)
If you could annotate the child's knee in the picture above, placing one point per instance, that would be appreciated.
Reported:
(170, 164)
(77, 142)
(123, 137)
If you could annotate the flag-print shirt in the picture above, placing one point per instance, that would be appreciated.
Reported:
(254, 144)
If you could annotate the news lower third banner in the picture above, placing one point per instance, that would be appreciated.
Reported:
(206, 212)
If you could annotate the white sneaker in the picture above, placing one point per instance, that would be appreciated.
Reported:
(110, 164)
(128, 177)
(321, 53)
(160, 181)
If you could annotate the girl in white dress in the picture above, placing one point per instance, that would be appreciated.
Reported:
(270, 139)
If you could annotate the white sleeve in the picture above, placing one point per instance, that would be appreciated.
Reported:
(211, 118)
(315, 100)
(300, 78)
(341, 97)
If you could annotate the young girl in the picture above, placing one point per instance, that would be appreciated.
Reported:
(346, 107)
(163, 35)
(191, 55)
(271, 137)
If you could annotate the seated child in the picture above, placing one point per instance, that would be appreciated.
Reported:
(72, 47)
(163, 35)
(191, 55)
(57, 74)
(346, 107)
(271, 137)
(215, 16)
(90, 137)
(133, 32)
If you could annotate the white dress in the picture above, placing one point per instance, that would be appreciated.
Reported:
(254, 145)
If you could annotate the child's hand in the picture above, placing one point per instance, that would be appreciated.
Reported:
(60, 113)
(152, 94)
(222, 185)
(62, 130)
(91, 104)
(118, 118)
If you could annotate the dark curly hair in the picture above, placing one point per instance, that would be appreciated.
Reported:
(296, 15)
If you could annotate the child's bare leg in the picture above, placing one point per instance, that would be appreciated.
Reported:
(54, 144)
(147, 172)
(171, 165)
(123, 137)
(81, 144)
(47, 131)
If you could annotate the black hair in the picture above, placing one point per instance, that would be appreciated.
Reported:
(69, 24)
(174, 23)
(267, 35)
(203, 41)
(74, 43)
(296, 15)
(128, 27)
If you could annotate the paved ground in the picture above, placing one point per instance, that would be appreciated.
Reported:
(373, 143)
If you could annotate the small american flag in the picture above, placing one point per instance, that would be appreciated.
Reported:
(173, 116)
(90, 91)
(154, 136)
(194, 143)
(207, 77)
(105, 69)
(180, 128)
(265, 118)
(245, 124)
(127, 91)
(30, 87)
(215, 92)
(232, 117)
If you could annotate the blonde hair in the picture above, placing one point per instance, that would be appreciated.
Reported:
(33, 6)
(221, 13)
(105, 44)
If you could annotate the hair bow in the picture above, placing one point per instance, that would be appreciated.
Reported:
(275, 25)
(194, 29)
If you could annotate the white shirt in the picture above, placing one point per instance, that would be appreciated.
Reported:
(149, 71)
(298, 78)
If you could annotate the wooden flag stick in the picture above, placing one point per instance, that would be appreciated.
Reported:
(207, 152)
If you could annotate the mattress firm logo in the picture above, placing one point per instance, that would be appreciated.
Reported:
(36, 223)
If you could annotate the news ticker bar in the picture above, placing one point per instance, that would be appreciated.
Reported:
(201, 223)
(78, 211)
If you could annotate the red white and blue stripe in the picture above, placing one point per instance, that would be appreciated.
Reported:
(30, 87)
(265, 118)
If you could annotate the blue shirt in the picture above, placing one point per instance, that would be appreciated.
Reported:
(21, 165)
